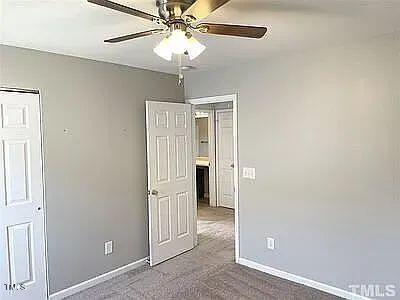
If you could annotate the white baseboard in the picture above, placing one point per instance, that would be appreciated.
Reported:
(301, 280)
(96, 280)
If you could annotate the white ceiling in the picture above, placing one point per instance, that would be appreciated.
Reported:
(78, 28)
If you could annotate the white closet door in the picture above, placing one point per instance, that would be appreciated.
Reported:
(22, 255)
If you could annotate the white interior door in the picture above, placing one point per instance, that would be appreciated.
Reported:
(170, 179)
(22, 244)
(225, 183)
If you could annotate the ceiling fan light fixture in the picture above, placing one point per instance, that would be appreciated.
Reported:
(163, 49)
(194, 48)
(178, 41)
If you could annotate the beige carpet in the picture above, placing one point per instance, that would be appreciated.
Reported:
(206, 272)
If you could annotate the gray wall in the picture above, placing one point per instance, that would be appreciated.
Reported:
(327, 128)
(95, 173)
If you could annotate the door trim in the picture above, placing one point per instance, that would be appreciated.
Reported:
(42, 158)
(217, 99)
(212, 181)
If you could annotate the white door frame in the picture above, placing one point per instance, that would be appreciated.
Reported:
(212, 180)
(41, 126)
(217, 99)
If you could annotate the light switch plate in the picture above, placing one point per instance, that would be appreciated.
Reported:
(108, 247)
(249, 173)
(270, 243)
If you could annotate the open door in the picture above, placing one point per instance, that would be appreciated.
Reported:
(170, 179)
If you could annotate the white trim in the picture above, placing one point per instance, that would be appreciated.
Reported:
(44, 193)
(301, 280)
(212, 99)
(212, 183)
(96, 280)
(211, 156)
(195, 237)
(148, 178)
(234, 99)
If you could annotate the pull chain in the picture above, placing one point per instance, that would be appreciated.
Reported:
(180, 71)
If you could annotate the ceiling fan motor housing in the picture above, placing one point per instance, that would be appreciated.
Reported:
(178, 24)
(172, 9)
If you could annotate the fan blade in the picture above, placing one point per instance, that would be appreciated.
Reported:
(125, 9)
(202, 8)
(134, 36)
(233, 30)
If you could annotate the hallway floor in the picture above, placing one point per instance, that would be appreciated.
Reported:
(206, 272)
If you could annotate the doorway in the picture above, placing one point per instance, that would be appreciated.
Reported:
(203, 132)
(172, 189)
(215, 145)
(214, 154)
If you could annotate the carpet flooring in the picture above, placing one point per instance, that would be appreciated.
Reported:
(206, 272)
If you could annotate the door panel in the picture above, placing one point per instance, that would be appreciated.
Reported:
(19, 239)
(161, 119)
(180, 120)
(162, 159)
(15, 115)
(22, 265)
(181, 157)
(183, 213)
(225, 167)
(164, 220)
(16, 167)
(169, 160)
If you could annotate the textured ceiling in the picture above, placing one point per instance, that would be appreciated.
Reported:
(76, 27)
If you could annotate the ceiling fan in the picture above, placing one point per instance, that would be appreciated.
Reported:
(179, 19)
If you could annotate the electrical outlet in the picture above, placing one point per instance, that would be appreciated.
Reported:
(270, 243)
(108, 247)
(249, 173)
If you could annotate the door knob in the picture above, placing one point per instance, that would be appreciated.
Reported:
(232, 165)
(154, 193)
